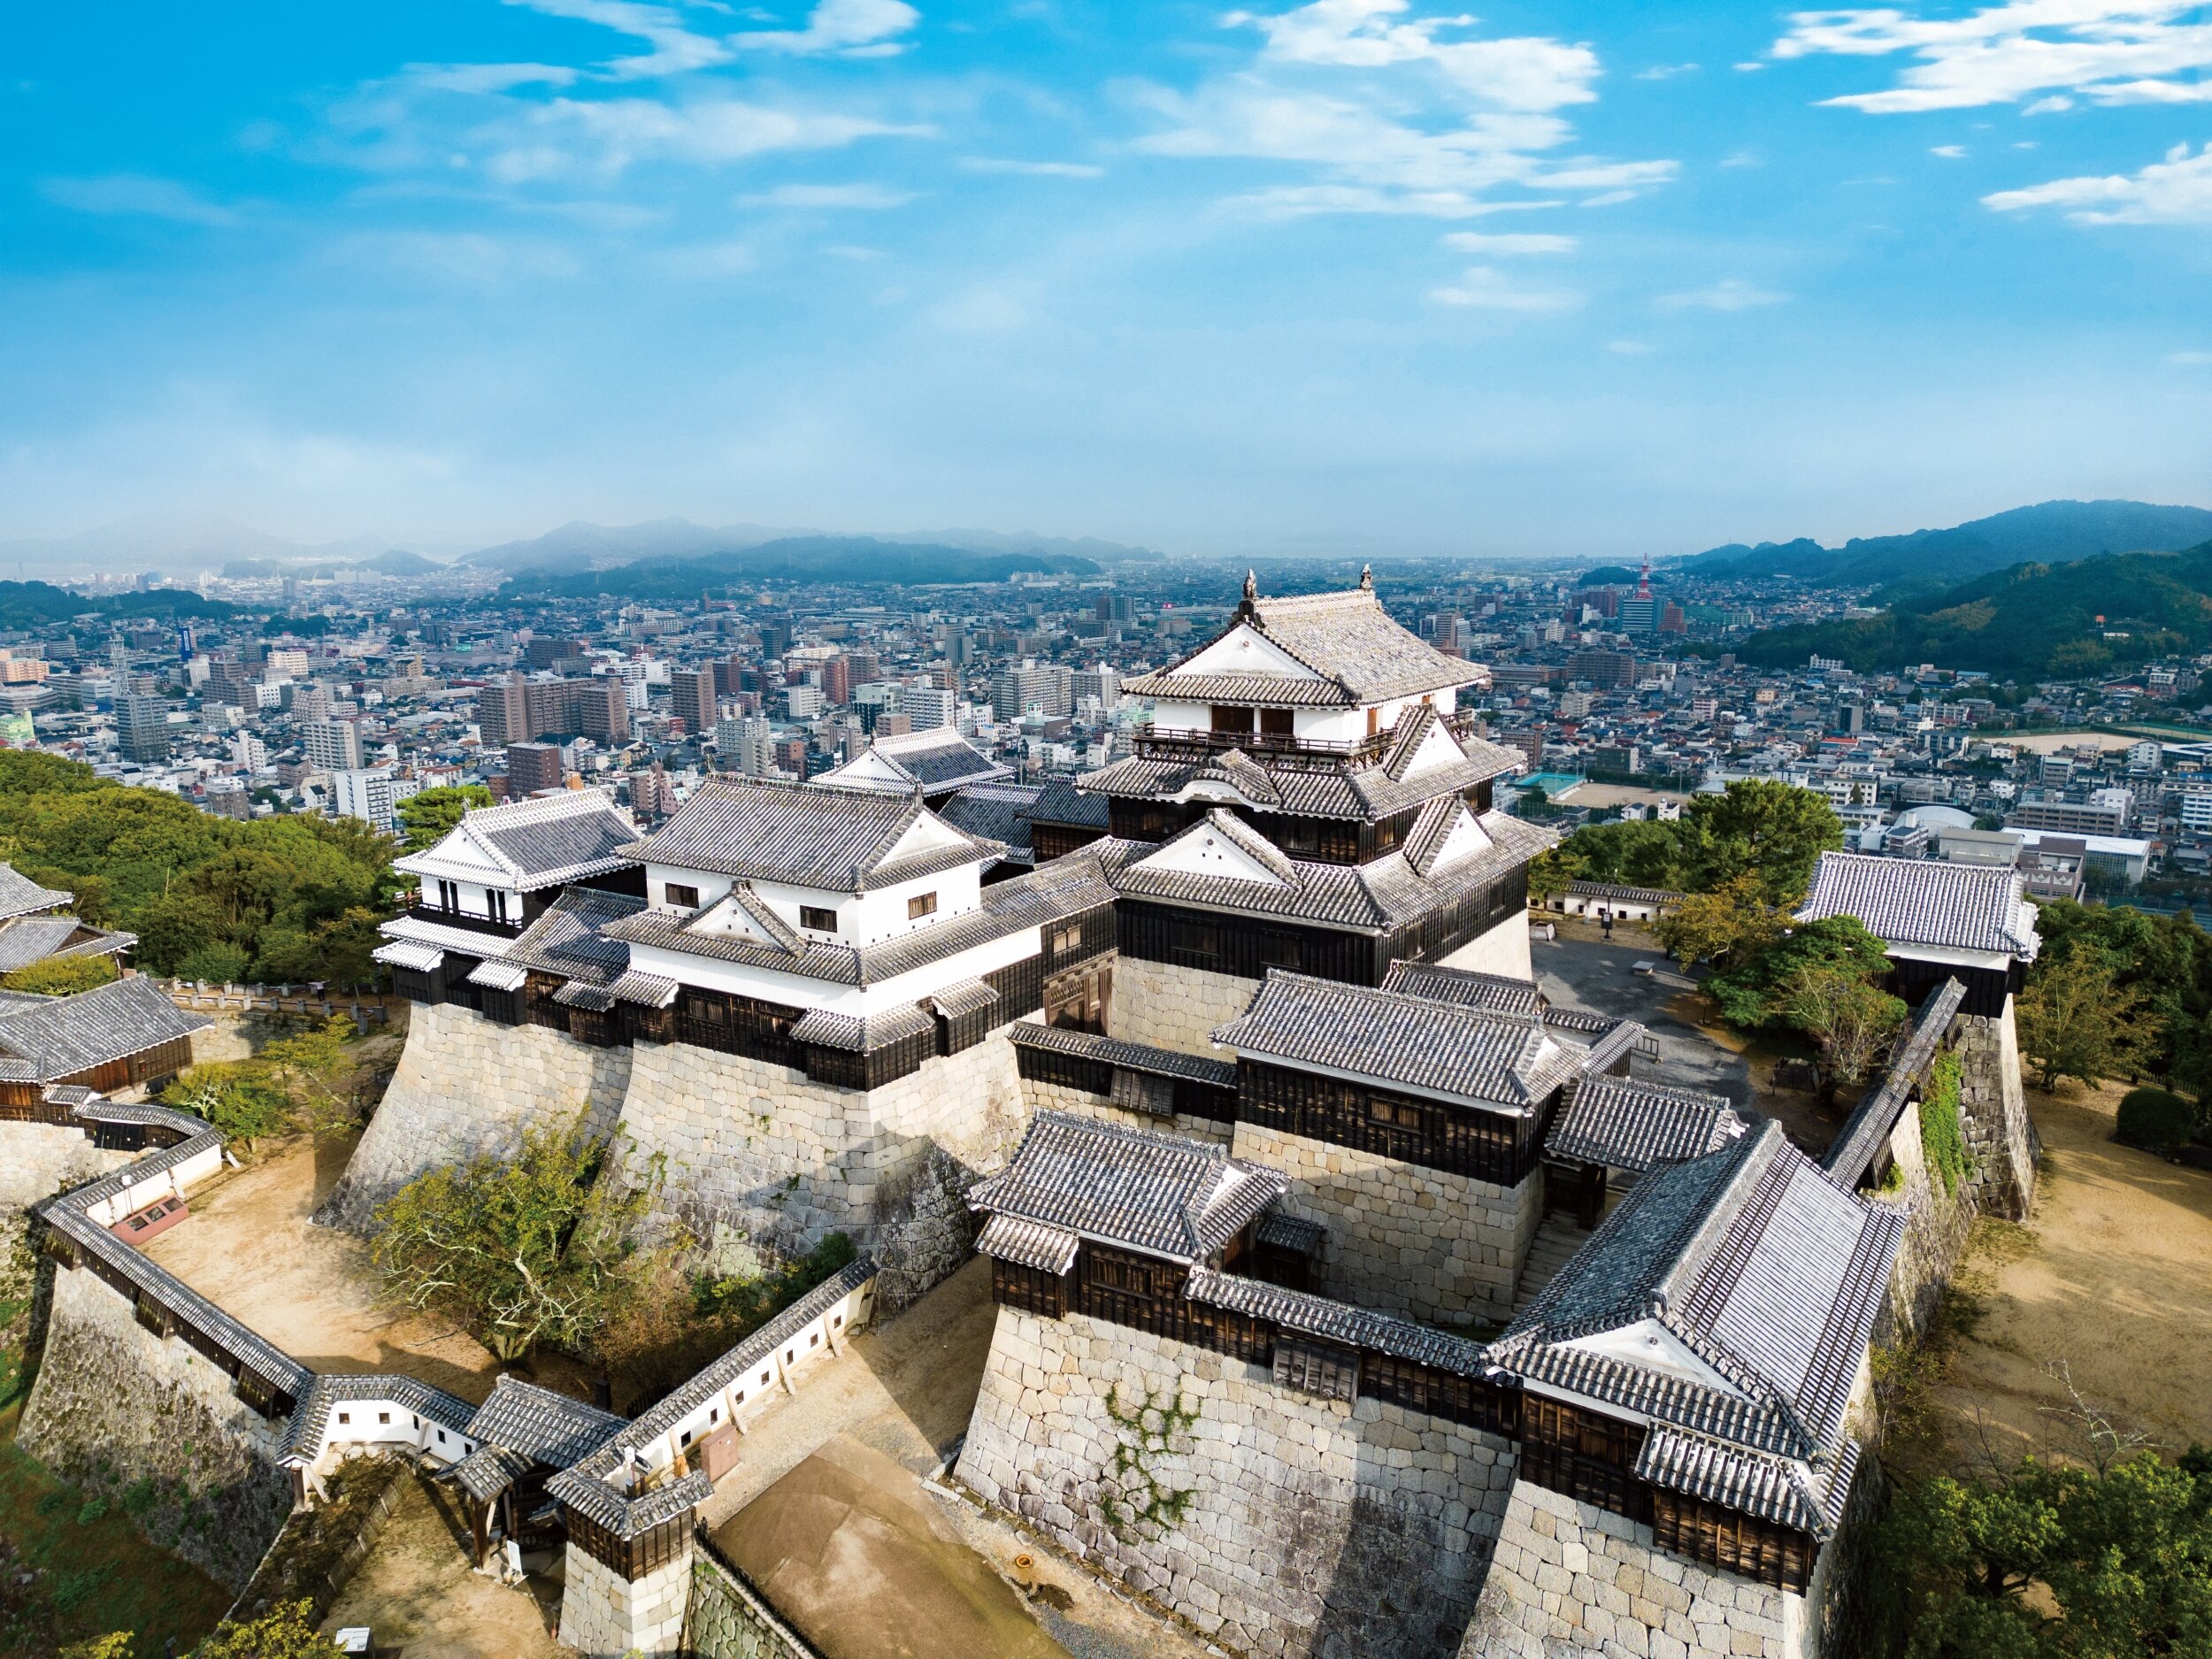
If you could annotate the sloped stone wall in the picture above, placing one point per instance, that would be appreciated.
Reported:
(1168, 1007)
(1993, 1112)
(1308, 1528)
(115, 1405)
(1042, 1096)
(1445, 1249)
(765, 1148)
(37, 1160)
(1568, 1578)
(466, 1085)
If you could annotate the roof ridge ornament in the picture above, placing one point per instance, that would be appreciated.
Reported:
(1367, 579)
(1248, 607)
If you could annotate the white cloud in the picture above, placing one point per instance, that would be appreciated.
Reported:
(711, 259)
(1666, 72)
(2113, 51)
(1498, 242)
(1393, 113)
(1486, 287)
(1732, 295)
(457, 259)
(489, 78)
(850, 29)
(2175, 191)
(676, 48)
(831, 196)
(137, 195)
(1032, 169)
(1741, 158)
(2192, 360)
(1628, 348)
(608, 136)
(1949, 152)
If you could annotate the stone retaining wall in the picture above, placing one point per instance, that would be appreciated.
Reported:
(467, 1086)
(767, 1149)
(36, 1161)
(1280, 1524)
(605, 1615)
(1568, 1578)
(115, 1404)
(2001, 1136)
(1169, 1007)
(1445, 1249)
(729, 1620)
(1042, 1096)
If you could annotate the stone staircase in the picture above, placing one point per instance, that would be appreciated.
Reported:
(1556, 1239)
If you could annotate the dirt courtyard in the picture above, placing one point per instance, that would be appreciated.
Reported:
(2110, 1283)
(249, 1248)
(420, 1600)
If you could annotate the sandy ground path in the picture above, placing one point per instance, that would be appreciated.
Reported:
(2110, 1283)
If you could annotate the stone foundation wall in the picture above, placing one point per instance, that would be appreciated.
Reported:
(605, 1616)
(1993, 1112)
(1176, 1007)
(727, 1620)
(466, 1085)
(1280, 1524)
(1502, 949)
(37, 1160)
(765, 1149)
(1937, 1226)
(115, 1405)
(1445, 1249)
(1060, 1098)
(1571, 1578)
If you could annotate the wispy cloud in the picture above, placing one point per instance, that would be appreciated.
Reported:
(675, 49)
(1949, 152)
(487, 77)
(2113, 51)
(1730, 295)
(2191, 359)
(1486, 287)
(2175, 191)
(1666, 72)
(848, 29)
(866, 197)
(608, 136)
(1032, 169)
(139, 195)
(1393, 113)
(1498, 242)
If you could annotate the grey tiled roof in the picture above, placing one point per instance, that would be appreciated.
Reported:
(596, 999)
(1771, 1488)
(1625, 895)
(936, 759)
(52, 1040)
(489, 1470)
(20, 895)
(646, 990)
(1339, 1321)
(963, 997)
(1060, 802)
(1372, 897)
(1036, 1244)
(556, 838)
(548, 1428)
(996, 811)
(1507, 1061)
(1053, 892)
(326, 1391)
(1345, 637)
(1860, 1141)
(1162, 1195)
(1118, 1051)
(28, 939)
(831, 839)
(857, 1034)
(571, 938)
(1754, 1259)
(1358, 793)
(1287, 1231)
(1625, 1125)
(1906, 902)
(1497, 993)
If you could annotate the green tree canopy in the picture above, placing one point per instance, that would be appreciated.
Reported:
(428, 817)
(1750, 992)
(1776, 830)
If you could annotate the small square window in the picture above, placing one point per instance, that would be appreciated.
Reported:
(685, 898)
(740, 1398)
(345, 1416)
(821, 920)
(383, 1416)
(921, 905)
(814, 1339)
(714, 1414)
(686, 1440)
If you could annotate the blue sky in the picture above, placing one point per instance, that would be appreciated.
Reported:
(1358, 274)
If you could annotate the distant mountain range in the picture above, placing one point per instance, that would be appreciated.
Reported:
(831, 559)
(2028, 621)
(180, 545)
(578, 547)
(2051, 533)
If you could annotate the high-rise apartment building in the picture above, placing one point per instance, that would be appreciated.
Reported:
(141, 728)
(371, 795)
(691, 698)
(332, 746)
(532, 767)
(1030, 686)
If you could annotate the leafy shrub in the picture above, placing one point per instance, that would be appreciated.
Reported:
(71, 1588)
(92, 1509)
(63, 976)
(1942, 1138)
(2156, 1120)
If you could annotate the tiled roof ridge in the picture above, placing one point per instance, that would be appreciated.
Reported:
(1412, 731)
(1677, 1287)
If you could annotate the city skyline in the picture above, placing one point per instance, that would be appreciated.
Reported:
(1351, 275)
